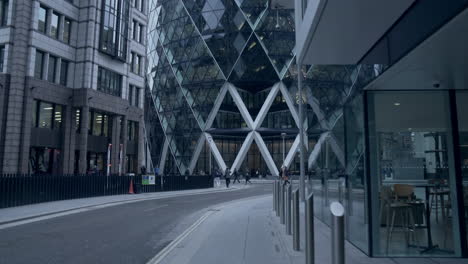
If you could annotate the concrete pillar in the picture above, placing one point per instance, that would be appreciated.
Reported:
(69, 140)
(14, 158)
(83, 145)
(116, 119)
(141, 144)
(124, 144)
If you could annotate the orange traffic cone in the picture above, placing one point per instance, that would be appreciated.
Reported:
(130, 189)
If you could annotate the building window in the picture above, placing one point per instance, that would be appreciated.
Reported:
(67, 27)
(77, 120)
(39, 65)
(135, 62)
(136, 30)
(142, 6)
(2, 57)
(47, 115)
(3, 12)
(130, 94)
(54, 25)
(109, 82)
(98, 124)
(64, 72)
(52, 68)
(137, 97)
(140, 39)
(132, 129)
(42, 20)
(114, 28)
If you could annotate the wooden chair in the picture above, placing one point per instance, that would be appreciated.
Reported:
(399, 207)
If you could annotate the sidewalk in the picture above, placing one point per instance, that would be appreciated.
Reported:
(248, 232)
(23, 213)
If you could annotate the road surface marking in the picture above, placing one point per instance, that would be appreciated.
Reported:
(154, 208)
(165, 251)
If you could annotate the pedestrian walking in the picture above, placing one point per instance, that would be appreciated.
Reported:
(236, 177)
(247, 177)
(285, 176)
(227, 176)
(217, 178)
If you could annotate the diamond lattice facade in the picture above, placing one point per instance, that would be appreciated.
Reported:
(222, 85)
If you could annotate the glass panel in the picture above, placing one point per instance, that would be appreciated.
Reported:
(39, 65)
(34, 112)
(105, 126)
(45, 115)
(52, 69)
(58, 117)
(356, 200)
(54, 25)
(97, 124)
(78, 120)
(462, 109)
(253, 71)
(412, 180)
(67, 30)
(42, 20)
(4, 12)
(64, 72)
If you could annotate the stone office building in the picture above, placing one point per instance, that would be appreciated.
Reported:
(71, 85)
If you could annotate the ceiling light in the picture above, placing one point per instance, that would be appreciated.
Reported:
(397, 104)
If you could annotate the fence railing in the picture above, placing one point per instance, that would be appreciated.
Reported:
(23, 189)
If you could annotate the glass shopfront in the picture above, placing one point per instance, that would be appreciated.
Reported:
(412, 174)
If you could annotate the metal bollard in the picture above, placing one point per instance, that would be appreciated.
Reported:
(295, 207)
(277, 199)
(310, 234)
(288, 210)
(282, 204)
(338, 236)
(274, 196)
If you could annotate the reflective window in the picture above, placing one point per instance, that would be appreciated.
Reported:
(52, 68)
(114, 28)
(42, 20)
(3, 12)
(109, 82)
(54, 25)
(46, 111)
(413, 184)
(39, 65)
(132, 130)
(67, 27)
(462, 110)
(99, 124)
(2, 57)
(64, 72)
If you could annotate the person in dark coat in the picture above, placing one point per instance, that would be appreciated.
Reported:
(227, 176)
(236, 177)
(247, 177)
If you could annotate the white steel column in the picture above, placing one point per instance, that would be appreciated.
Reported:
(337, 149)
(162, 160)
(216, 106)
(243, 151)
(215, 152)
(316, 151)
(290, 102)
(292, 152)
(240, 104)
(266, 154)
(266, 106)
(196, 153)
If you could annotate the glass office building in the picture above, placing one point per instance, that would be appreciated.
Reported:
(222, 92)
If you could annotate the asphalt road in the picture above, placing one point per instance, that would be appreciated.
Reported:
(128, 233)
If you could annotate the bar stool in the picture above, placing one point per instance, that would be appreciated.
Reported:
(437, 195)
(404, 211)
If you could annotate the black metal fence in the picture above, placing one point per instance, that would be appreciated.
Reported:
(22, 189)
